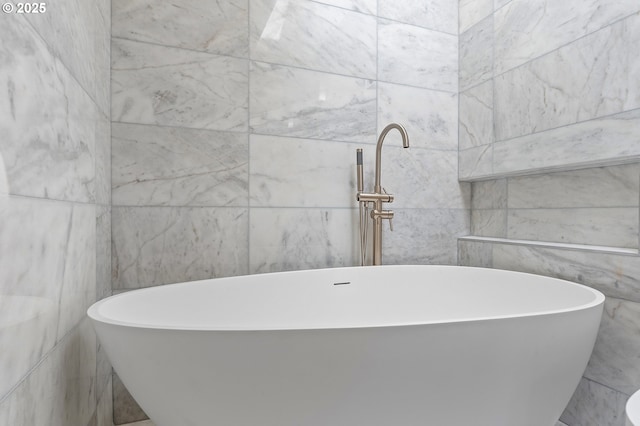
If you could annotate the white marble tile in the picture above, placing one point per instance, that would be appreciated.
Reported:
(437, 240)
(614, 275)
(73, 23)
(103, 251)
(104, 410)
(491, 194)
(614, 186)
(593, 142)
(592, 77)
(489, 223)
(153, 84)
(212, 26)
(527, 29)
(422, 178)
(476, 116)
(104, 371)
(615, 227)
(48, 126)
(497, 4)
(417, 56)
(78, 290)
(283, 239)
(472, 11)
(429, 116)
(475, 162)
(476, 54)
(595, 405)
(47, 278)
(294, 102)
(478, 254)
(440, 15)
(364, 6)
(293, 172)
(160, 245)
(103, 160)
(60, 391)
(614, 362)
(170, 166)
(102, 43)
(314, 36)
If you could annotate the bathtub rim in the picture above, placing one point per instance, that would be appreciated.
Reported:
(93, 312)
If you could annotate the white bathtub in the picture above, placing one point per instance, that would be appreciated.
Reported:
(365, 346)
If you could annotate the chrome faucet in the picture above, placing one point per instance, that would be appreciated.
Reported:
(378, 197)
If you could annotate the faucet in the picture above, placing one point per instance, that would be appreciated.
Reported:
(377, 197)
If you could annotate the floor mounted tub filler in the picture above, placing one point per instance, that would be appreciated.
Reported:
(364, 346)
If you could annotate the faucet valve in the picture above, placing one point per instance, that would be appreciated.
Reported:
(383, 214)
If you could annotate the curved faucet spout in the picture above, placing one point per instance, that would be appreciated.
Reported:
(405, 144)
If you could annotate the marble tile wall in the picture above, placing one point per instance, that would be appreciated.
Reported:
(235, 128)
(548, 126)
(55, 196)
(556, 80)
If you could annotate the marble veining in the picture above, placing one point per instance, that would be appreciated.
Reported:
(430, 116)
(526, 29)
(471, 12)
(489, 223)
(476, 54)
(592, 77)
(476, 162)
(309, 104)
(591, 142)
(616, 227)
(422, 178)
(476, 116)
(472, 253)
(614, 186)
(314, 36)
(211, 26)
(290, 239)
(72, 23)
(160, 245)
(614, 362)
(168, 86)
(490, 194)
(437, 242)
(440, 15)
(417, 56)
(613, 274)
(102, 160)
(293, 172)
(103, 251)
(48, 127)
(364, 6)
(59, 238)
(597, 405)
(60, 391)
(165, 166)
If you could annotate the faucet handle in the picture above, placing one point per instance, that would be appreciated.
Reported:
(383, 214)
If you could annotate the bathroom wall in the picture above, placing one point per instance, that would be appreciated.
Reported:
(549, 107)
(54, 213)
(235, 126)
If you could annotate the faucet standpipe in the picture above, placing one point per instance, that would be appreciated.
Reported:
(377, 197)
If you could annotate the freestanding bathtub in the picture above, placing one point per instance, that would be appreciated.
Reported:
(364, 346)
